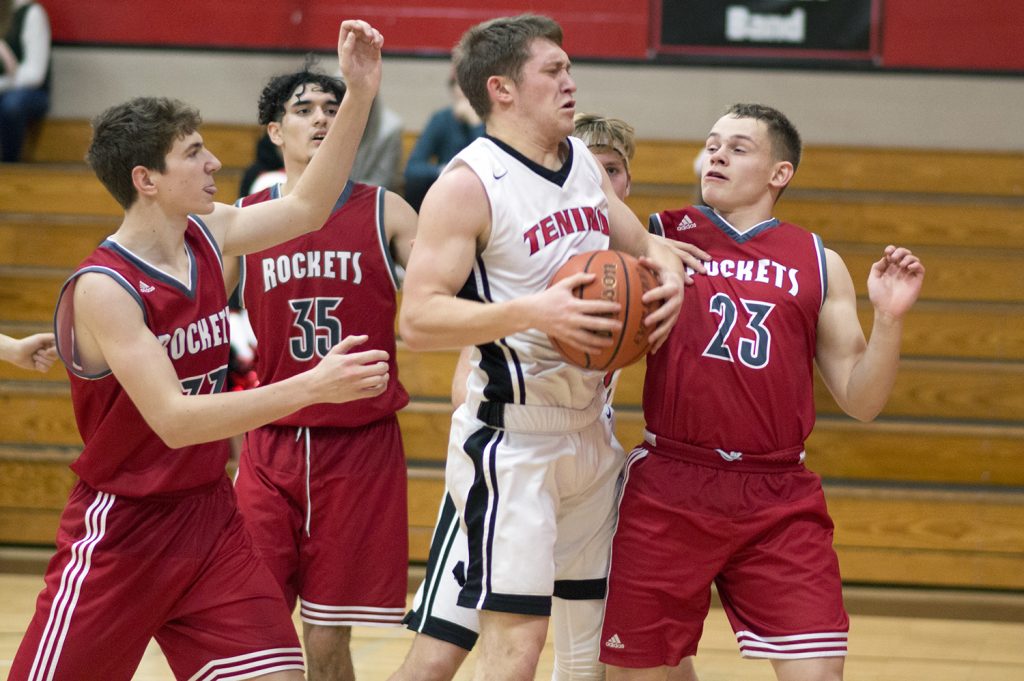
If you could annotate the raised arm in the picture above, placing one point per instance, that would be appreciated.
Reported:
(111, 333)
(860, 374)
(307, 206)
(454, 223)
(399, 227)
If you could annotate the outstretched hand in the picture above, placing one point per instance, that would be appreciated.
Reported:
(359, 46)
(692, 257)
(343, 375)
(894, 282)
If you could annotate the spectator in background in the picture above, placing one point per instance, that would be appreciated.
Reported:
(24, 72)
(448, 131)
(379, 158)
(267, 169)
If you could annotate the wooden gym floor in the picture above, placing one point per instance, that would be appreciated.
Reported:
(938, 636)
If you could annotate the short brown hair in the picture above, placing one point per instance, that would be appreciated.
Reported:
(786, 144)
(498, 47)
(599, 132)
(139, 132)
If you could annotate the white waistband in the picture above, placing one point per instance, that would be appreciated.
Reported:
(532, 418)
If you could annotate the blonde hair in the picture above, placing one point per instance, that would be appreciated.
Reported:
(599, 132)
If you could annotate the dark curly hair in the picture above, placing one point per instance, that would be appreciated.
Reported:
(280, 89)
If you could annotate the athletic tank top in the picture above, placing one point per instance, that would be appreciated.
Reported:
(122, 455)
(737, 372)
(305, 295)
(539, 219)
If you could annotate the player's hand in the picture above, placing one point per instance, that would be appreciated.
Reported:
(359, 46)
(580, 324)
(36, 352)
(344, 375)
(692, 257)
(670, 293)
(894, 282)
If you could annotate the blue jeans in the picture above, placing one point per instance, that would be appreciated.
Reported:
(19, 108)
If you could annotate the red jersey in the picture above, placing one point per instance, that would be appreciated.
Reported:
(304, 295)
(122, 454)
(736, 374)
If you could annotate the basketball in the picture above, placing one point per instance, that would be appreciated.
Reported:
(622, 279)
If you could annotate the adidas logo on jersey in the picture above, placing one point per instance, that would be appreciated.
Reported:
(146, 288)
(729, 456)
(685, 224)
(614, 642)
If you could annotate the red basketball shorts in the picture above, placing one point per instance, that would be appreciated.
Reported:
(327, 508)
(182, 570)
(762, 536)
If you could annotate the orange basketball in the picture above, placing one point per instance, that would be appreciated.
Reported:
(622, 279)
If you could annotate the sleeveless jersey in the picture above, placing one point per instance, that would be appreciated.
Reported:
(539, 219)
(737, 372)
(305, 295)
(122, 455)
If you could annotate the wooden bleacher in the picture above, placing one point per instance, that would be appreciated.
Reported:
(930, 494)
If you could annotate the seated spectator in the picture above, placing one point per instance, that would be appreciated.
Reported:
(24, 72)
(447, 132)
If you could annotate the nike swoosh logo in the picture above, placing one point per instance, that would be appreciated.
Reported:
(498, 176)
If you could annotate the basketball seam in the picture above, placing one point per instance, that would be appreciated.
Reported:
(625, 317)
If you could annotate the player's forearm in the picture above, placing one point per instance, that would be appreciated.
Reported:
(8, 349)
(441, 322)
(663, 255)
(874, 375)
(193, 419)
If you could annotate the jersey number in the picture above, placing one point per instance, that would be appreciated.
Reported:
(194, 384)
(754, 352)
(319, 329)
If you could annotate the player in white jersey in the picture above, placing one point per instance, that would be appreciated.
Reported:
(447, 632)
(529, 455)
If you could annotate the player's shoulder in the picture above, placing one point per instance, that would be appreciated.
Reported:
(664, 222)
(264, 194)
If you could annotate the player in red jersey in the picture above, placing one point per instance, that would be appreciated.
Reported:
(718, 493)
(323, 490)
(151, 544)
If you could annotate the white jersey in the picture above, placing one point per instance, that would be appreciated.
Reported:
(539, 219)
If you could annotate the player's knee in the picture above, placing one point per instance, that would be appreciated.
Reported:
(510, 644)
(327, 645)
(578, 671)
(809, 669)
(430, 659)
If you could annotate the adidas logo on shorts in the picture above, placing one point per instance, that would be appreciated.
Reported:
(614, 642)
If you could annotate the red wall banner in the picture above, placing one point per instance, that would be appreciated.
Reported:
(962, 35)
(615, 29)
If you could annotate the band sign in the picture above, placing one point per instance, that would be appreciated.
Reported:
(783, 28)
